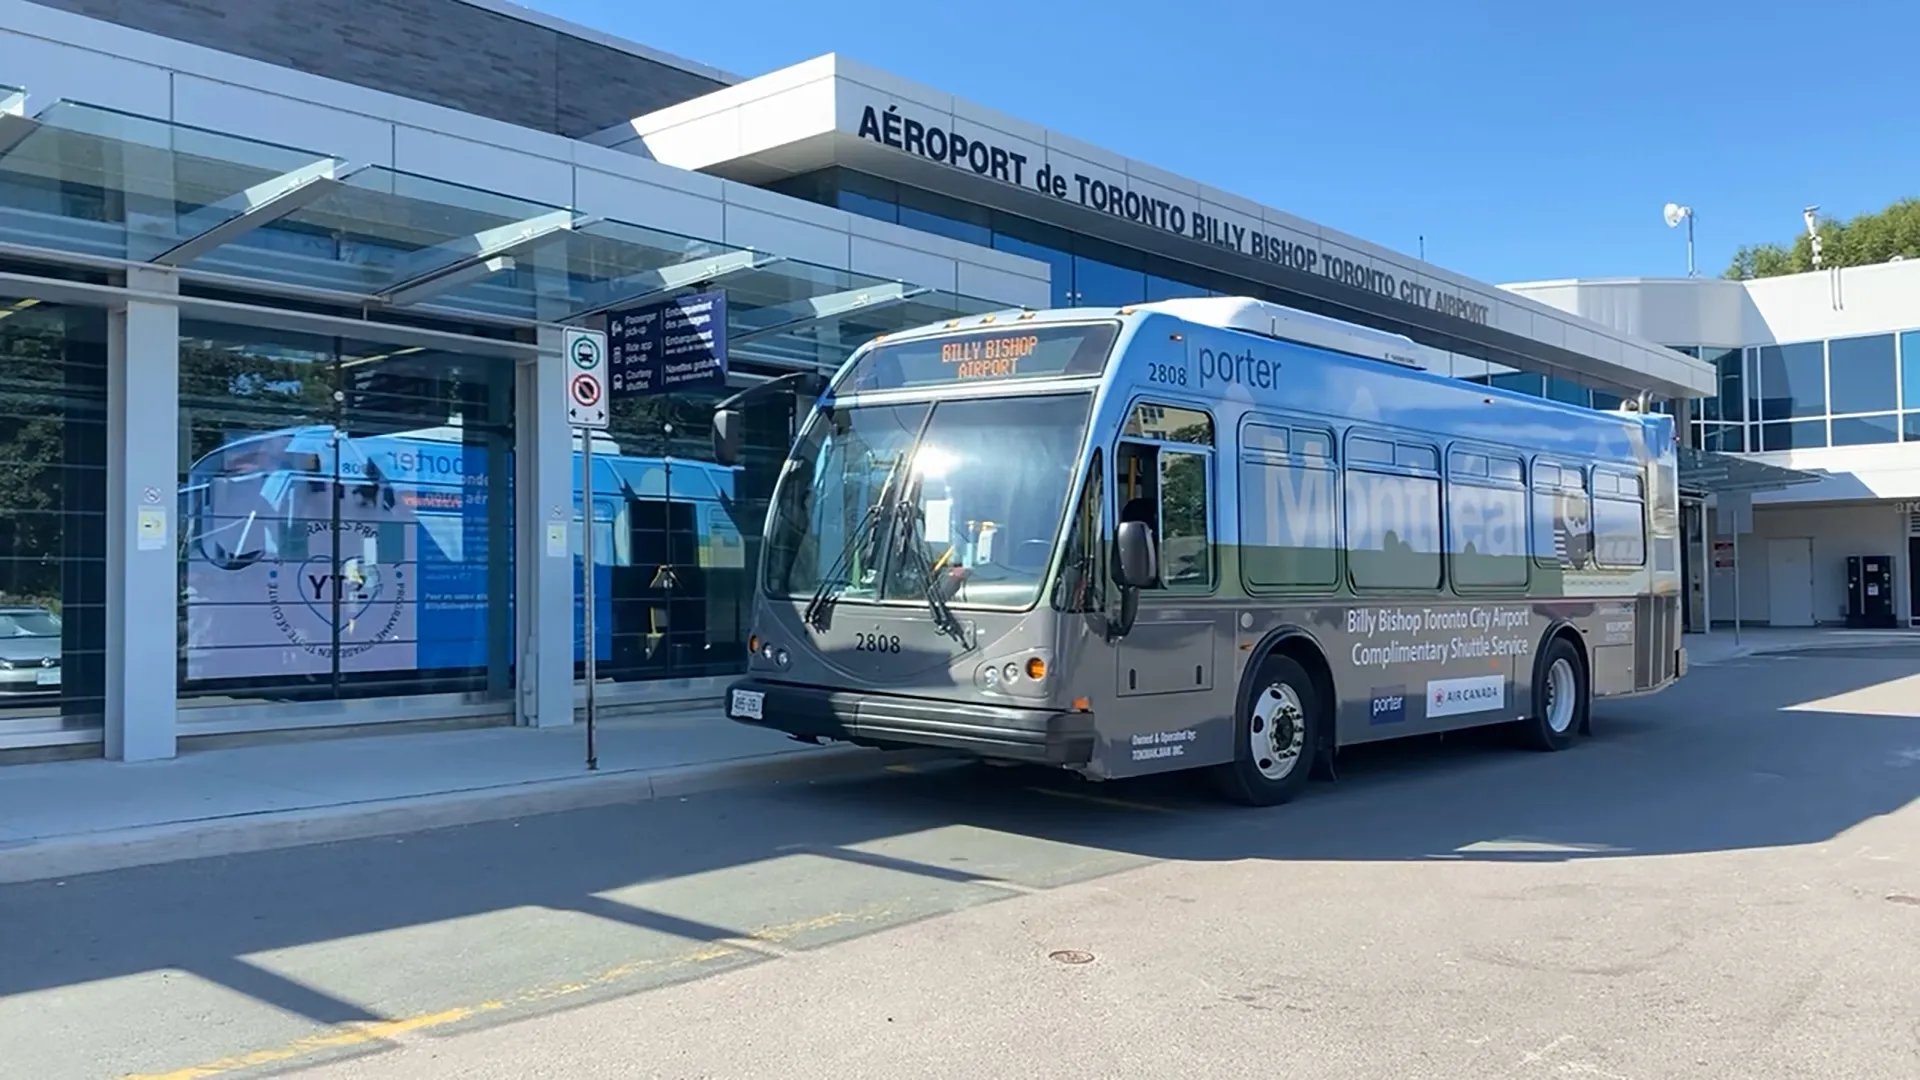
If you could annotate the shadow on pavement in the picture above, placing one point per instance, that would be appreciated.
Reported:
(1714, 764)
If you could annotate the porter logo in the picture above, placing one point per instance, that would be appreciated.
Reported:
(1387, 705)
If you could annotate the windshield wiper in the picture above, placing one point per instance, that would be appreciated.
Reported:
(908, 548)
(820, 605)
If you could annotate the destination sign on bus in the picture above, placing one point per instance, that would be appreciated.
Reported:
(990, 356)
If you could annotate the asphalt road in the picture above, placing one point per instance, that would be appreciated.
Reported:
(1724, 882)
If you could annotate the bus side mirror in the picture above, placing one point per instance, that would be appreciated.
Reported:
(1135, 544)
(728, 431)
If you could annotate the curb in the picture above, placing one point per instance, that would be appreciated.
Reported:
(1748, 652)
(240, 834)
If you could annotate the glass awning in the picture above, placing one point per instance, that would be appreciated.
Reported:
(1706, 472)
(83, 180)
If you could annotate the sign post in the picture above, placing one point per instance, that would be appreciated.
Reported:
(587, 412)
(1733, 516)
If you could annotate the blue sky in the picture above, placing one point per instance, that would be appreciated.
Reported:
(1524, 140)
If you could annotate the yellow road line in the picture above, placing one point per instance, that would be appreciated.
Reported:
(347, 1036)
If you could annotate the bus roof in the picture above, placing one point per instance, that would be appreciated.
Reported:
(1345, 340)
(1287, 324)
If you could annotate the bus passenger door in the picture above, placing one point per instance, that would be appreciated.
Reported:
(1166, 660)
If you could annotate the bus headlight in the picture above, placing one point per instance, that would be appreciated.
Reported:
(1024, 675)
(781, 659)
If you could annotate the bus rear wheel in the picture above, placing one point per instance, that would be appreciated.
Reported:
(1277, 736)
(1559, 699)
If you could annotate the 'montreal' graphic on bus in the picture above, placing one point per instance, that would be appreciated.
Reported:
(310, 547)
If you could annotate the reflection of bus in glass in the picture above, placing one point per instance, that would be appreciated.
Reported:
(1211, 533)
(282, 582)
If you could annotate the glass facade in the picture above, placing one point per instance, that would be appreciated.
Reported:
(675, 535)
(53, 458)
(1850, 391)
(1086, 271)
(346, 518)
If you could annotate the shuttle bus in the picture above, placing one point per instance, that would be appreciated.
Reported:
(1213, 534)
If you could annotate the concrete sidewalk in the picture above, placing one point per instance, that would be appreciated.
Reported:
(1720, 646)
(64, 818)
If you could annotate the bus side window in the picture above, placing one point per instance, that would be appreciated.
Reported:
(1562, 517)
(1166, 485)
(1186, 548)
(1082, 585)
(1136, 477)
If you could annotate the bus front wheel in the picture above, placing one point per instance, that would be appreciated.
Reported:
(1277, 735)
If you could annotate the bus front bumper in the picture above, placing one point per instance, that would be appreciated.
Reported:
(1037, 736)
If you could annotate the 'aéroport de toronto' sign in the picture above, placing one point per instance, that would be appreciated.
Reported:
(891, 128)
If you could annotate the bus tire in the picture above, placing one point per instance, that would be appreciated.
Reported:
(1277, 736)
(1559, 698)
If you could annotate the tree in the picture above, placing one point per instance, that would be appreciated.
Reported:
(1860, 241)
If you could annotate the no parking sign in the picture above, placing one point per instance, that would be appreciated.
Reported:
(586, 353)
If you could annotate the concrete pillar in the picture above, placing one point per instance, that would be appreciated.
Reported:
(143, 478)
(543, 559)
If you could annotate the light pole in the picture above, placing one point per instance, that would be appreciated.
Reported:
(1675, 215)
(1811, 215)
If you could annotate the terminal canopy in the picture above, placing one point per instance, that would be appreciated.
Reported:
(1705, 472)
(82, 180)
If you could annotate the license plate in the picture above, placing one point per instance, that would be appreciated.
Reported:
(46, 677)
(747, 703)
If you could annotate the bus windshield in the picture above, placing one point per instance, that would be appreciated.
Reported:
(980, 484)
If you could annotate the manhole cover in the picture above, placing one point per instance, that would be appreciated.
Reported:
(1070, 956)
(1903, 898)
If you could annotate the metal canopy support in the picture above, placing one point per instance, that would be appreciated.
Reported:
(815, 309)
(261, 204)
(483, 254)
(1708, 552)
(15, 124)
(621, 291)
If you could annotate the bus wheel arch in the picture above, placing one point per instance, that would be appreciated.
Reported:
(1305, 684)
(1308, 654)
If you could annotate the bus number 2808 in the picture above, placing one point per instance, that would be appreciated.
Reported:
(1170, 374)
(887, 643)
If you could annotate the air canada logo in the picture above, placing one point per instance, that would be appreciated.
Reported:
(1453, 697)
(355, 600)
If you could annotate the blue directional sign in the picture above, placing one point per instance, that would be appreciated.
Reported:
(669, 345)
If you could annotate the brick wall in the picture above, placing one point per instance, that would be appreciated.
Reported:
(440, 51)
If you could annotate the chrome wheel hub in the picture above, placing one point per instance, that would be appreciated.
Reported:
(1277, 732)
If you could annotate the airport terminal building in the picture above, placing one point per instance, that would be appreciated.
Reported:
(1818, 373)
(282, 393)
